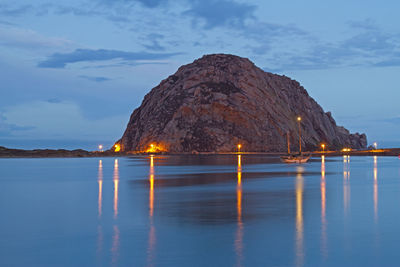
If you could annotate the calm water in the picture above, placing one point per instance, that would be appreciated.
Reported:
(200, 211)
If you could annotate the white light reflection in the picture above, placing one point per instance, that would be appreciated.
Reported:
(323, 210)
(100, 182)
(346, 184)
(376, 188)
(99, 204)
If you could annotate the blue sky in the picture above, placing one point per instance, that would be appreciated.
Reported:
(73, 71)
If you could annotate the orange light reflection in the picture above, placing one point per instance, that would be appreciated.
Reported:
(116, 181)
(152, 231)
(239, 231)
(299, 218)
(151, 180)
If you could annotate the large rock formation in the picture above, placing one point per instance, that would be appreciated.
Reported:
(219, 101)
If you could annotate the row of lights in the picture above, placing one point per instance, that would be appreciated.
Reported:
(117, 147)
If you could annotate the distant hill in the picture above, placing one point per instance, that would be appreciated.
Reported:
(219, 101)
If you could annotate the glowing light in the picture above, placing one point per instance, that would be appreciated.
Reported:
(117, 147)
(298, 118)
(323, 147)
(116, 181)
(346, 149)
(101, 148)
(375, 145)
(238, 147)
(155, 148)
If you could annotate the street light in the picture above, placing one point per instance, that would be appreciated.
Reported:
(299, 120)
(375, 145)
(323, 147)
(239, 146)
(101, 148)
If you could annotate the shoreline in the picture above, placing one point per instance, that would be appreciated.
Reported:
(80, 153)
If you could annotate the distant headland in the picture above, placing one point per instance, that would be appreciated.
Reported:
(220, 101)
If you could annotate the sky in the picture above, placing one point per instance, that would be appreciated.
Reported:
(72, 72)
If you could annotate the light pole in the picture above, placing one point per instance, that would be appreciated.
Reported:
(299, 120)
(323, 148)
(238, 147)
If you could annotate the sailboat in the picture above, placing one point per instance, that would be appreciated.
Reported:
(295, 158)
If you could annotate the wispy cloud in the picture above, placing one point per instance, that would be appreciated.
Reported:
(95, 78)
(60, 60)
(28, 39)
(154, 40)
(215, 13)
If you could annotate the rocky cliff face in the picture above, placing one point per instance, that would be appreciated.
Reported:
(219, 101)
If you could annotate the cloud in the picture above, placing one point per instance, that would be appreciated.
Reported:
(7, 129)
(9, 11)
(154, 42)
(145, 3)
(369, 46)
(216, 13)
(60, 60)
(28, 39)
(95, 79)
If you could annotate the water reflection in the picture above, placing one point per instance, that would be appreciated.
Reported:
(115, 238)
(323, 208)
(151, 181)
(152, 231)
(299, 217)
(115, 245)
(100, 181)
(346, 183)
(376, 188)
(99, 227)
(116, 181)
(239, 231)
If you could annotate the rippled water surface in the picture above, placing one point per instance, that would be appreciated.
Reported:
(225, 210)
